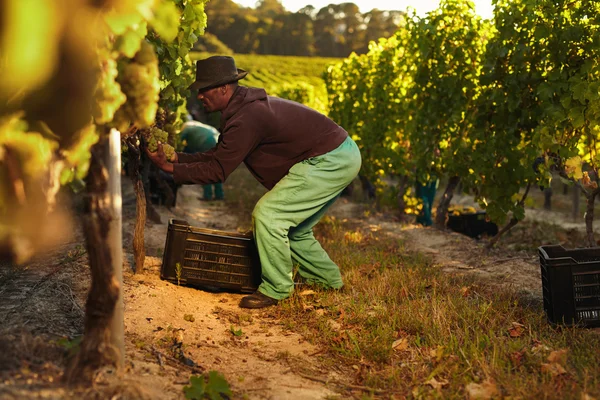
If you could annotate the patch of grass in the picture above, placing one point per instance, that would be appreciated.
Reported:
(450, 328)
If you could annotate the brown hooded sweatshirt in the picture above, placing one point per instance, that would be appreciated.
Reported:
(267, 133)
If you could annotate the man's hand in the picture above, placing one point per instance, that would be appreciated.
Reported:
(159, 159)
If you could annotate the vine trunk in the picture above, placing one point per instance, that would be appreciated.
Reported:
(97, 349)
(442, 209)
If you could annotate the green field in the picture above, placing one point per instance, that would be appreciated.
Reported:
(296, 78)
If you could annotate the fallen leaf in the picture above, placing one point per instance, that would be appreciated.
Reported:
(517, 358)
(482, 391)
(400, 344)
(585, 396)
(558, 357)
(464, 291)
(437, 385)
(516, 330)
(553, 369)
(437, 353)
(307, 292)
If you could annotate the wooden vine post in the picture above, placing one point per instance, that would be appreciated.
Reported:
(115, 239)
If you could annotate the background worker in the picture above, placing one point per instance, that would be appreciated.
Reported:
(198, 138)
(303, 158)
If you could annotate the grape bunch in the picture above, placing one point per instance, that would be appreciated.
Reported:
(139, 81)
(169, 151)
(155, 135)
(108, 96)
(168, 121)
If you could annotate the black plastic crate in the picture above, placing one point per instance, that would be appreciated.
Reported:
(571, 285)
(472, 224)
(210, 259)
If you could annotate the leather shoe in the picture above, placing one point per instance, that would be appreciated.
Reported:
(257, 300)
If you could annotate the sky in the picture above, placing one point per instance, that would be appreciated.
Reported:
(483, 7)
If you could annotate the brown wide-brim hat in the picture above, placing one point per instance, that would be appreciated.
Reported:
(216, 71)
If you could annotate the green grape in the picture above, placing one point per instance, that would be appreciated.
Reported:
(153, 136)
(140, 83)
(121, 119)
(169, 151)
(108, 96)
(146, 54)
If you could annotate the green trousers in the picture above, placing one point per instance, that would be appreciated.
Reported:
(284, 217)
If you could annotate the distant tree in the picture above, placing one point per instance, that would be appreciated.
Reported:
(270, 8)
(354, 28)
(293, 35)
(309, 10)
(380, 24)
(328, 31)
(333, 31)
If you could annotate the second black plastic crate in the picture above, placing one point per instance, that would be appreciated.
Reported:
(571, 285)
(210, 258)
(472, 224)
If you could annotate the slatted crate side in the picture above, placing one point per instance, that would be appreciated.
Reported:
(212, 258)
(571, 285)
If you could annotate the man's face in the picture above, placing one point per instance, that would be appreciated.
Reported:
(212, 99)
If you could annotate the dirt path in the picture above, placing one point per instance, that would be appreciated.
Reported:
(252, 349)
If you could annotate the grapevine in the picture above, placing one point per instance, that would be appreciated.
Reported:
(491, 98)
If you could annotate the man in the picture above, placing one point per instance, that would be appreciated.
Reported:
(301, 156)
(198, 138)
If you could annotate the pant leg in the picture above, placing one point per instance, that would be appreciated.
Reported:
(208, 191)
(426, 192)
(315, 264)
(420, 194)
(219, 191)
(430, 195)
(302, 195)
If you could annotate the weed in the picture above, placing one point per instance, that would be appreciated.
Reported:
(71, 345)
(235, 332)
(178, 271)
(211, 386)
